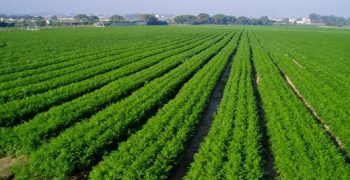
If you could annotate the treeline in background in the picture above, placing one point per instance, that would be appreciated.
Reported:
(154, 19)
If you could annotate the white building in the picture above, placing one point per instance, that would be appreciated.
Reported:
(277, 19)
(65, 18)
(292, 20)
(304, 21)
(163, 17)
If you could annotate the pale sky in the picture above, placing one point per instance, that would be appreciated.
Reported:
(253, 8)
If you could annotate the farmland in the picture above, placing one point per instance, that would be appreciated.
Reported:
(177, 102)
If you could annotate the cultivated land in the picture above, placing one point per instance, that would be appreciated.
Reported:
(187, 102)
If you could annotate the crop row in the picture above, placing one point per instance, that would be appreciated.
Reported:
(232, 148)
(328, 67)
(155, 149)
(48, 124)
(328, 49)
(79, 146)
(46, 46)
(301, 148)
(326, 70)
(84, 50)
(46, 60)
(22, 64)
(16, 110)
(77, 59)
(76, 75)
(333, 108)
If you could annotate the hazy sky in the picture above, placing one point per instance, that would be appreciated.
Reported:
(255, 8)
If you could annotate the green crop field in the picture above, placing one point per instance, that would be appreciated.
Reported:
(176, 102)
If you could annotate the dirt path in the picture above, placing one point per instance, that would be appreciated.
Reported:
(5, 166)
(204, 124)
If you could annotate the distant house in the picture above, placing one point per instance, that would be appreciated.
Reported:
(303, 21)
(277, 19)
(307, 20)
(166, 18)
(65, 18)
(292, 20)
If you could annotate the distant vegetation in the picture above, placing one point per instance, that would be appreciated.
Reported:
(329, 20)
(204, 18)
(152, 19)
(79, 20)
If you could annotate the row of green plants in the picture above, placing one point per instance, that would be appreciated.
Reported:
(14, 111)
(327, 60)
(65, 43)
(317, 83)
(31, 50)
(80, 147)
(232, 149)
(153, 151)
(49, 124)
(89, 60)
(22, 90)
(48, 58)
(300, 147)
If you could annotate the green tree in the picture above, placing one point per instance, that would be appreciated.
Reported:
(54, 18)
(148, 17)
(116, 18)
(264, 20)
(40, 21)
(285, 21)
(219, 19)
(204, 18)
(242, 20)
(254, 21)
(186, 19)
(231, 20)
(94, 19)
(81, 19)
(315, 18)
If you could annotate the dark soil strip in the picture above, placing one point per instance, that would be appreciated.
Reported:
(204, 124)
(335, 140)
(269, 160)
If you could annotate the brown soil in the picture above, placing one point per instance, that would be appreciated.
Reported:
(6, 163)
(5, 167)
